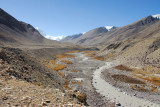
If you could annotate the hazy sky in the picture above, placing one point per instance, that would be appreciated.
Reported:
(66, 17)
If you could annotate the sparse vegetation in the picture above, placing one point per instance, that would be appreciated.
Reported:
(123, 68)
(74, 71)
(67, 62)
(139, 88)
(126, 79)
(52, 61)
(101, 58)
(59, 67)
(61, 74)
(66, 85)
(76, 82)
(64, 56)
(152, 79)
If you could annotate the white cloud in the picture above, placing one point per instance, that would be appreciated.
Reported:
(54, 37)
(58, 38)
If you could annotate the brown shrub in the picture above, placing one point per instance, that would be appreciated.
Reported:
(61, 74)
(74, 71)
(81, 97)
(126, 79)
(123, 68)
(101, 58)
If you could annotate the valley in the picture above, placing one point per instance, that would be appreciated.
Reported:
(106, 66)
(85, 74)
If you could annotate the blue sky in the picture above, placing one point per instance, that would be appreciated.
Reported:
(67, 17)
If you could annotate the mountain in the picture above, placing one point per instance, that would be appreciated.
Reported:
(136, 44)
(14, 32)
(71, 37)
(87, 38)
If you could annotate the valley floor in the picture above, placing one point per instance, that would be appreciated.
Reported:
(85, 74)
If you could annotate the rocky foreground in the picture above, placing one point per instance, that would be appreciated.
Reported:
(17, 91)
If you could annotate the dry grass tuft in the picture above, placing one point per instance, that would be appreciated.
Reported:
(66, 85)
(52, 61)
(59, 67)
(76, 82)
(152, 79)
(126, 79)
(123, 68)
(93, 56)
(61, 74)
(139, 88)
(74, 71)
(101, 58)
(64, 56)
(67, 62)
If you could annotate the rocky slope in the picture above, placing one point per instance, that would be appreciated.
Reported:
(89, 38)
(136, 43)
(71, 38)
(16, 92)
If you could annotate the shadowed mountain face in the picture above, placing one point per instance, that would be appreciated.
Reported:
(14, 31)
(71, 38)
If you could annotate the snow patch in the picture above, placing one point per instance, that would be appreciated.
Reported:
(156, 16)
(108, 27)
(58, 38)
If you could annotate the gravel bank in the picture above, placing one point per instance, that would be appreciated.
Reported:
(115, 94)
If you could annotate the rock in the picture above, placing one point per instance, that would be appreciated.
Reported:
(81, 97)
(47, 101)
(5, 98)
(44, 104)
(118, 104)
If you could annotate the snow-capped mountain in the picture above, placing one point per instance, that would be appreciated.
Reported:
(110, 27)
(57, 38)
(156, 16)
(88, 36)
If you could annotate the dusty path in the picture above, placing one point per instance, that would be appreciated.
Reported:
(97, 89)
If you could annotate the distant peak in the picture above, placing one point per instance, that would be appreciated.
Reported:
(156, 16)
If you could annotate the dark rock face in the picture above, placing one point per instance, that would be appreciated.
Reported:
(10, 21)
(146, 21)
(13, 31)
